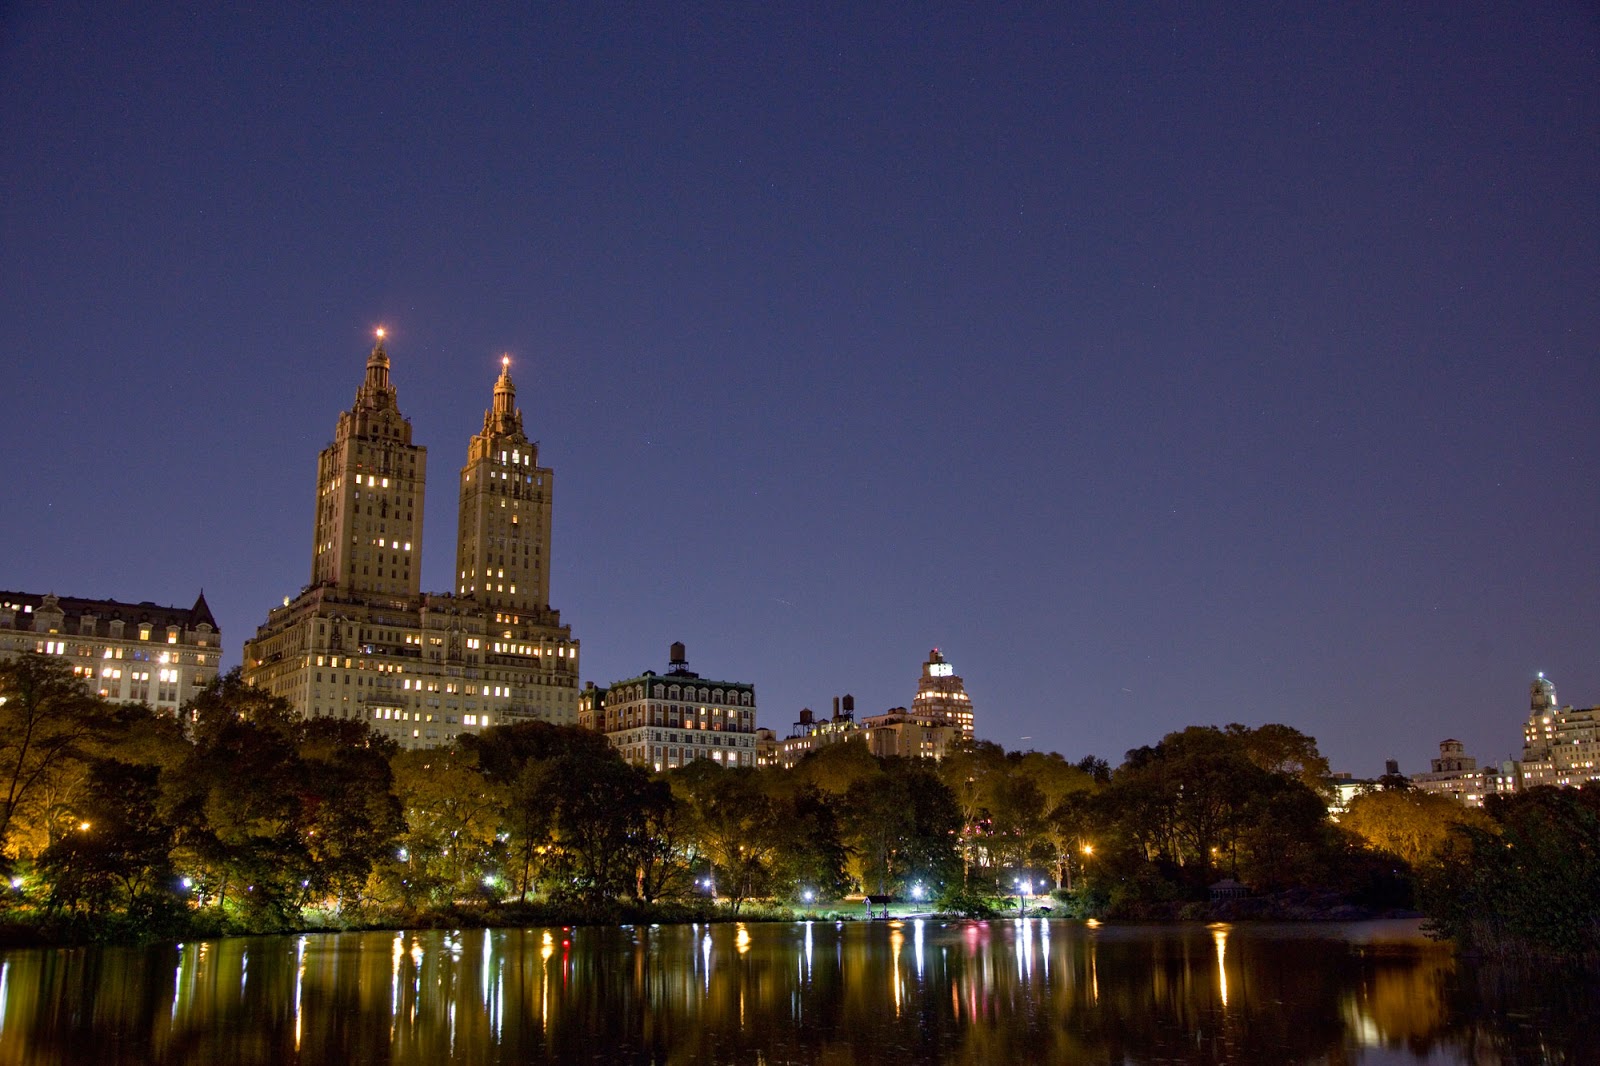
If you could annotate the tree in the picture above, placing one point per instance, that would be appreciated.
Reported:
(663, 852)
(118, 853)
(349, 816)
(1206, 799)
(574, 813)
(1097, 768)
(237, 802)
(1284, 750)
(968, 770)
(451, 823)
(47, 720)
(733, 824)
(1526, 884)
(1416, 827)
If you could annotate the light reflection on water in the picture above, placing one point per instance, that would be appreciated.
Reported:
(1017, 990)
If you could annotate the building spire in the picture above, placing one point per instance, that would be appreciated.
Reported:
(378, 364)
(376, 390)
(505, 393)
(503, 419)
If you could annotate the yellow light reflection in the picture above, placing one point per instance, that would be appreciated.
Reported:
(1219, 933)
(545, 952)
(742, 939)
(896, 940)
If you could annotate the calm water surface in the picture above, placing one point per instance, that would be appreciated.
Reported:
(879, 992)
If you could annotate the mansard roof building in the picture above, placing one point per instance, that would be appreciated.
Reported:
(126, 652)
(663, 721)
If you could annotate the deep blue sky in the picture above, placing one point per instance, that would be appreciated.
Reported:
(1166, 364)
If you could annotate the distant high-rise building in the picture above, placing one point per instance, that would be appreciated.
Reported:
(1561, 745)
(126, 652)
(362, 642)
(942, 696)
(663, 721)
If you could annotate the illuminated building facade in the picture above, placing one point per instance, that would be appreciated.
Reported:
(362, 642)
(1456, 775)
(126, 652)
(663, 721)
(1561, 745)
(899, 733)
(942, 696)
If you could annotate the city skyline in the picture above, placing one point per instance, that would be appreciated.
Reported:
(1160, 371)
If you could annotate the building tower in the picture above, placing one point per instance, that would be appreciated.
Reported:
(362, 643)
(503, 542)
(369, 495)
(942, 696)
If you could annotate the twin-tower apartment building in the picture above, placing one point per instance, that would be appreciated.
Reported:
(363, 642)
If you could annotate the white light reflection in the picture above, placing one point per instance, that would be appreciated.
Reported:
(1025, 956)
(705, 957)
(396, 953)
(5, 989)
(808, 952)
(177, 987)
(1044, 947)
(916, 943)
(299, 982)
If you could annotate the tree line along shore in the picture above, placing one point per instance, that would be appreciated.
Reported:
(121, 824)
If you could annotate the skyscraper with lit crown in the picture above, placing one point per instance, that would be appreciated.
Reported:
(942, 695)
(369, 494)
(361, 642)
(503, 542)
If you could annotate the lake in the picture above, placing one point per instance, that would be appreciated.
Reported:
(1032, 990)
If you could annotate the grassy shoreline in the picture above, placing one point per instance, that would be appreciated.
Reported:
(21, 929)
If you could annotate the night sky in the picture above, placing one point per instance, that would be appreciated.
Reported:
(1164, 365)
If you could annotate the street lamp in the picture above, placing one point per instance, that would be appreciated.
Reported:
(1024, 890)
